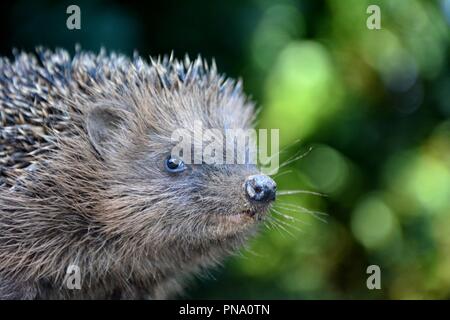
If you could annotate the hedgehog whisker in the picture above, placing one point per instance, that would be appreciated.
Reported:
(286, 216)
(270, 223)
(284, 149)
(280, 224)
(282, 174)
(300, 209)
(280, 214)
(297, 206)
(291, 160)
(300, 191)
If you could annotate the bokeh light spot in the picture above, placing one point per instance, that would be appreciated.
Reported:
(327, 169)
(302, 90)
(373, 222)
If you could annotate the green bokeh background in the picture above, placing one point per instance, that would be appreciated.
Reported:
(373, 104)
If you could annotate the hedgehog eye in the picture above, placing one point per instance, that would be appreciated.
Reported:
(174, 164)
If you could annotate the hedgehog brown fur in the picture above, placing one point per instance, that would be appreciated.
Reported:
(134, 230)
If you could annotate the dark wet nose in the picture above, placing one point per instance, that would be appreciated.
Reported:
(260, 188)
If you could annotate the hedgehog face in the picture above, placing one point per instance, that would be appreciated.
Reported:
(169, 196)
(224, 200)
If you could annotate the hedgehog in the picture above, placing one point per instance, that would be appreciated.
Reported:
(88, 179)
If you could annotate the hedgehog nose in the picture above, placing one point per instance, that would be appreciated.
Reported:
(260, 188)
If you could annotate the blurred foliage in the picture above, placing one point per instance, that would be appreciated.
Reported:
(374, 104)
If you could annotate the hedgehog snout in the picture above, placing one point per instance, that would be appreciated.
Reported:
(260, 188)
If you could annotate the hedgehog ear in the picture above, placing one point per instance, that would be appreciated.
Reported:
(101, 124)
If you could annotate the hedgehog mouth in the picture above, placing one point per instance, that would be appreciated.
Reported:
(253, 214)
(257, 212)
(243, 217)
(249, 212)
